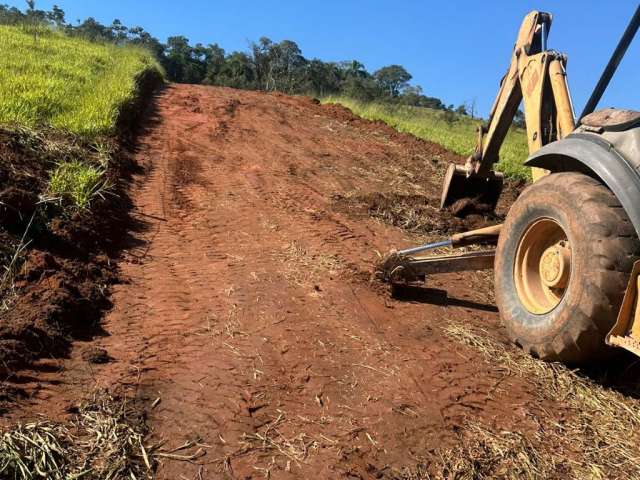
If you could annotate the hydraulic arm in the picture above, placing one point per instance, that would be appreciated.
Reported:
(537, 78)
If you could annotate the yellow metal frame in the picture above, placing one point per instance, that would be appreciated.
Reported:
(538, 80)
(626, 332)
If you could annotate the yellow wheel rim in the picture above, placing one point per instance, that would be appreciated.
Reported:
(543, 266)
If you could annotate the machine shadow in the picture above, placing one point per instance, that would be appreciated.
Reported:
(436, 296)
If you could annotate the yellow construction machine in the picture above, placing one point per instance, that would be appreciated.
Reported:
(567, 269)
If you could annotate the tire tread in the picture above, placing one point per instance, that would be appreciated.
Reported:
(609, 228)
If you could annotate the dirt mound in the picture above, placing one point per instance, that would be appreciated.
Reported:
(58, 299)
(57, 266)
(414, 213)
(23, 166)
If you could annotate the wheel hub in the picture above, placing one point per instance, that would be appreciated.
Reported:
(555, 265)
(543, 266)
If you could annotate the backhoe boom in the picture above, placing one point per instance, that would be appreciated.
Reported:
(536, 76)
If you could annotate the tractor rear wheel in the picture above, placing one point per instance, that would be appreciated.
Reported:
(563, 261)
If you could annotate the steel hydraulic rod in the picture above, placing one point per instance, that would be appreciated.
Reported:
(424, 248)
(482, 235)
(612, 66)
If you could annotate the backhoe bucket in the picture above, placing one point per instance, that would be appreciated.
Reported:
(483, 191)
(626, 332)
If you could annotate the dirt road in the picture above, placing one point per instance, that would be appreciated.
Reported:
(248, 317)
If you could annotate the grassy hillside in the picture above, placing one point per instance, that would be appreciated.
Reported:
(84, 90)
(66, 104)
(458, 135)
(66, 83)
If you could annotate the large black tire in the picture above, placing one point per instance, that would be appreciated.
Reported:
(604, 247)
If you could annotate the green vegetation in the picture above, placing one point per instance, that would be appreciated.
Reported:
(51, 80)
(77, 183)
(453, 131)
(267, 65)
(67, 83)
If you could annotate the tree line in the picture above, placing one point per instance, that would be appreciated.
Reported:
(266, 65)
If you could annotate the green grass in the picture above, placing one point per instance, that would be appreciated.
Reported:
(458, 136)
(66, 83)
(77, 183)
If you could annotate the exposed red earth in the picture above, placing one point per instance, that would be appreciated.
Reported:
(246, 317)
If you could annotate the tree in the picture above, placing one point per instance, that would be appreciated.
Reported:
(260, 58)
(412, 95)
(392, 79)
(138, 36)
(462, 109)
(321, 78)
(355, 69)
(93, 30)
(279, 66)
(56, 15)
(471, 108)
(365, 89)
(35, 18)
(120, 32)
(214, 63)
(181, 61)
(238, 71)
(10, 16)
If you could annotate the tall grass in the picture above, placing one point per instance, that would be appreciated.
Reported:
(66, 83)
(456, 133)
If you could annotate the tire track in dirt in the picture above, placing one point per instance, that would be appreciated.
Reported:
(248, 310)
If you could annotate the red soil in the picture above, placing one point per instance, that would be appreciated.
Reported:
(248, 310)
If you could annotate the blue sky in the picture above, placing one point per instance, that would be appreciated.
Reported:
(457, 50)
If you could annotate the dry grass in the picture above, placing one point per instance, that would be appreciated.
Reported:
(302, 268)
(598, 439)
(483, 454)
(284, 452)
(103, 441)
(415, 213)
(273, 442)
(11, 268)
(409, 212)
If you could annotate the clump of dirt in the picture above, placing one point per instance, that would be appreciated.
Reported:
(464, 207)
(23, 166)
(510, 192)
(415, 213)
(96, 355)
(411, 188)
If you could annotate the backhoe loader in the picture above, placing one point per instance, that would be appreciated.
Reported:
(567, 260)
